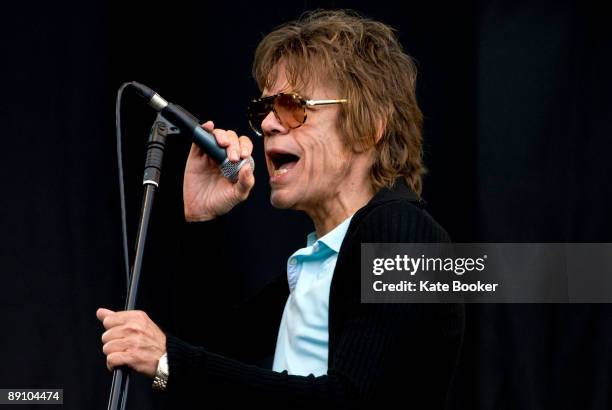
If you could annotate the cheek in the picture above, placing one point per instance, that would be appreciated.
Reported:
(326, 160)
(318, 162)
(325, 168)
(334, 158)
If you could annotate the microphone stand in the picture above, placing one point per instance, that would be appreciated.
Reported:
(155, 154)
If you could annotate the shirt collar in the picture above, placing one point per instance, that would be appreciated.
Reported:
(333, 239)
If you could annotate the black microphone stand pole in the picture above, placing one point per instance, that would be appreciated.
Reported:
(155, 154)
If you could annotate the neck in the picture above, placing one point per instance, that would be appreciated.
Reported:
(331, 212)
(352, 193)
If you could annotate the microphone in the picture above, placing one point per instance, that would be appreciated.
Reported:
(187, 123)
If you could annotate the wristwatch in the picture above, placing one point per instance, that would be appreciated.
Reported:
(161, 374)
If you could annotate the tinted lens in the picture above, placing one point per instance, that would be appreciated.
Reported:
(257, 111)
(290, 110)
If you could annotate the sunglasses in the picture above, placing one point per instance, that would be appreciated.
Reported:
(288, 108)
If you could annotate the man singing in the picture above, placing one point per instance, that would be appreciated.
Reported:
(342, 135)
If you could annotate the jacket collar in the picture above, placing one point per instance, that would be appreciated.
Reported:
(399, 190)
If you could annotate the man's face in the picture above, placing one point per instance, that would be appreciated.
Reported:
(306, 164)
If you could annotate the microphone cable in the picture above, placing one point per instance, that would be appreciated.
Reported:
(126, 260)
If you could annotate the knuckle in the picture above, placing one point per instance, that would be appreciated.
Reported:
(132, 343)
(141, 315)
(135, 355)
(220, 134)
(245, 142)
(128, 358)
(136, 327)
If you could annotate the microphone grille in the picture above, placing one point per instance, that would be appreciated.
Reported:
(231, 169)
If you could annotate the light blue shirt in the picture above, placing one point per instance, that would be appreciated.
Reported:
(303, 337)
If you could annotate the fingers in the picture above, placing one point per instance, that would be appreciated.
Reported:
(246, 147)
(246, 179)
(229, 141)
(118, 332)
(142, 362)
(117, 359)
(209, 126)
(111, 319)
(245, 183)
(102, 313)
(132, 339)
(235, 147)
(116, 345)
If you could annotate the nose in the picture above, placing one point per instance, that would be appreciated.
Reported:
(271, 125)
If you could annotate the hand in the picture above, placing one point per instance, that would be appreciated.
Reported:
(207, 194)
(131, 339)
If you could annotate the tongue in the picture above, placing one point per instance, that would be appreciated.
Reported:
(288, 165)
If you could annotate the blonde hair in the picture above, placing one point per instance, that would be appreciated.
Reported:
(365, 61)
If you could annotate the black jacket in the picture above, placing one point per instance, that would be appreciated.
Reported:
(378, 353)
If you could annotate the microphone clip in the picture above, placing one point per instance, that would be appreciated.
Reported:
(155, 149)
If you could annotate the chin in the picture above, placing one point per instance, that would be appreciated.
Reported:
(283, 199)
(280, 200)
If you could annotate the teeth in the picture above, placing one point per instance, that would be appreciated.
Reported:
(281, 171)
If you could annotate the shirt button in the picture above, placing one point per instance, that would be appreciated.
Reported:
(292, 261)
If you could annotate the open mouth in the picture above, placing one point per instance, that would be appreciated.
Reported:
(282, 162)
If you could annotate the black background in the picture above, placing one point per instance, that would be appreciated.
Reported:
(518, 138)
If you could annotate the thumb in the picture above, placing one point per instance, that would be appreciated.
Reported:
(102, 313)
